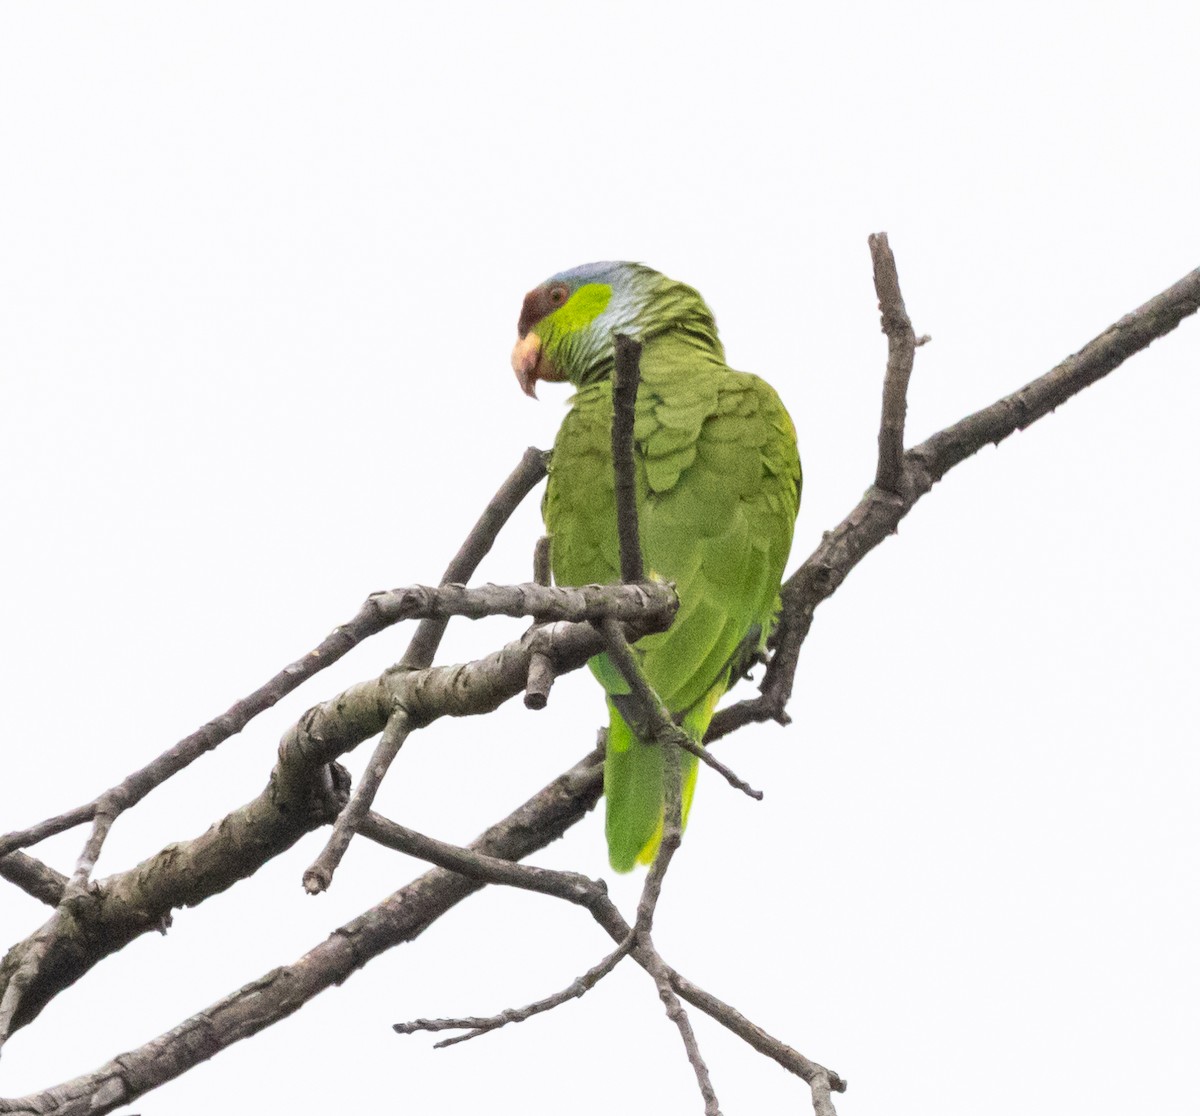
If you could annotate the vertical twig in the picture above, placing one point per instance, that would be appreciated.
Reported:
(519, 483)
(626, 377)
(541, 561)
(902, 345)
(541, 670)
(654, 724)
(538, 681)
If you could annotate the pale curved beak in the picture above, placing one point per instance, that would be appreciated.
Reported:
(525, 356)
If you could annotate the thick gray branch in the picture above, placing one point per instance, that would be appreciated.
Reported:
(542, 603)
(400, 918)
(32, 876)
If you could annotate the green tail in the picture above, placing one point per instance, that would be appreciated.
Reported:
(633, 787)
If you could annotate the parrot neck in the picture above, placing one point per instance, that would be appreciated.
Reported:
(677, 327)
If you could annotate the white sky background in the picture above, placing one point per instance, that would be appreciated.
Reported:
(260, 268)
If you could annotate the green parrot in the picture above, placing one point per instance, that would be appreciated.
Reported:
(718, 488)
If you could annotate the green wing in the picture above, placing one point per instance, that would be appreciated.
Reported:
(718, 480)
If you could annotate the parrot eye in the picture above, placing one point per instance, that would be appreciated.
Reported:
(558, 295)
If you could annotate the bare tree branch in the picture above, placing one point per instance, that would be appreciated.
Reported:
(33, 877)
(108, 808)
(481, 1025)
(51, 827)
(298, 798)
(484, 868)
(541, 670)
(592, 895)
(902, 345)
(400, 918)
(878, 513)
(319, 875)
(539, 681)
(791, 1060)
(724, 770)
(654, 723)
(654, 719)
(544, 604)
(541, 561)
(626, 378)
(520, 482)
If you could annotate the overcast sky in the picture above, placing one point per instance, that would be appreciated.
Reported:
(260, 268)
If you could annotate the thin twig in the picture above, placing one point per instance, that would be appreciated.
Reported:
(626, 377)
(592, 895)
(657, 726)
(902, 345)
(51, 827)
(519, 483)
(109, 807)
(658, 969)
(481, 1025)
(570, 886)
(733, 1020)
(727, 773)
(648, 903)
(672, 830)
(644, 953)
(541, 669)
(319, 875)
(482, 868)
(649, 956)
(655, 720)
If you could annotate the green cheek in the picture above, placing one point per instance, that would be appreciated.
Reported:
(583, 307)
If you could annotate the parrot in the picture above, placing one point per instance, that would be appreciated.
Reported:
(718, 481)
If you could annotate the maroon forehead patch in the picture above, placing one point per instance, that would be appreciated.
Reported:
(538, 303)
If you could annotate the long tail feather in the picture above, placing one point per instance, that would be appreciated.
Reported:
(633, 785)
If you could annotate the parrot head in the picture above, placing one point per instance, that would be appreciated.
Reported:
(567, 323)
